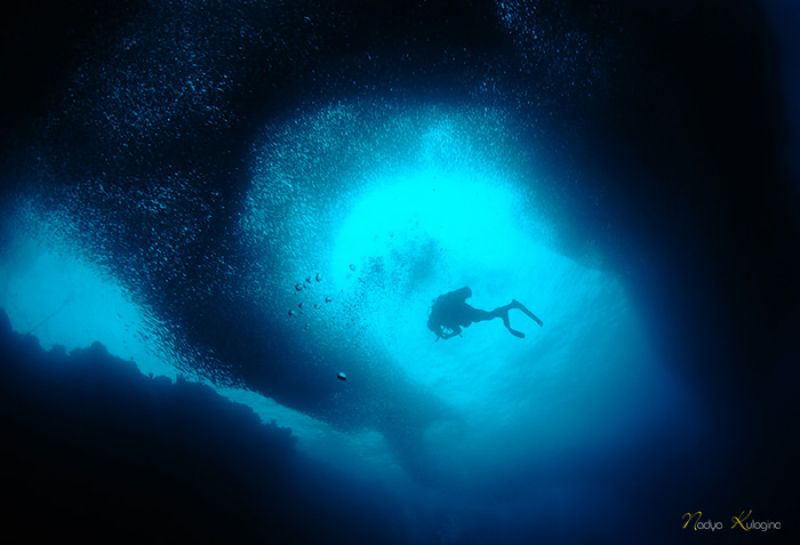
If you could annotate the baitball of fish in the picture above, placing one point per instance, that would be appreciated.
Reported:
(341, 376)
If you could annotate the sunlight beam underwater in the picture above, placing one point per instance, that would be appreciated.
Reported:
(391, 209)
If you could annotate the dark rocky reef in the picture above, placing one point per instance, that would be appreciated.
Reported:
(96, 451)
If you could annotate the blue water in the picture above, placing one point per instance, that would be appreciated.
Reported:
(263, 248)
(447, 206)
(355, 219)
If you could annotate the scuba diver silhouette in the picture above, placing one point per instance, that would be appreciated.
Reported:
(450, 312)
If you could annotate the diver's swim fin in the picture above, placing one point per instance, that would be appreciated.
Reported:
(524, 309)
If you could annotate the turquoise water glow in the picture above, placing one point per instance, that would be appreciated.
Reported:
(51, 289)
(357, 218)
(364, 245)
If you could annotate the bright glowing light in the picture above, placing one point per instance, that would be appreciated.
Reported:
(396, 210)
(429, 211)
(409, 239)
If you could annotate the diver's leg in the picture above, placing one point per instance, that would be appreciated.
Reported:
(523, 308)
(502, 313)
(478, 315)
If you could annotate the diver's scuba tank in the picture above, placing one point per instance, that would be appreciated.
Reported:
(461, 294)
